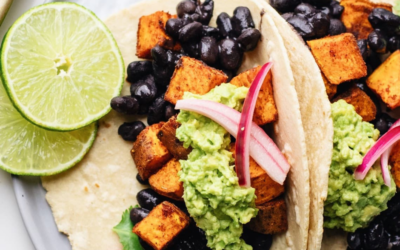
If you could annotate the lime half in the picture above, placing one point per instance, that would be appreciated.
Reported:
(61, 66)
(30, 150)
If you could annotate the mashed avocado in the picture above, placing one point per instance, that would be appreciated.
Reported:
(353, 204)
(212, 194)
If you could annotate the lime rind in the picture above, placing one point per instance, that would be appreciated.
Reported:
(85, 118)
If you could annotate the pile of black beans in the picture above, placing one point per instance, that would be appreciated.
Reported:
(221, 47)
(383, 233)
(312, 18)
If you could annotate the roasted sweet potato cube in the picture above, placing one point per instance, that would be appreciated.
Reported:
(362, 103)
(355, 16)
(151, 32)
(167, 136)
(162, 225)
(339, 58)
(271, 218)
(385, 81)
(394, 162)
(148, 152)
(166, 181)
(331, 89)
(266, 188)
(265, 110)
(194, 76)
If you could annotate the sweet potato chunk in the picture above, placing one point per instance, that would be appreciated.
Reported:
(166, 181)
(331, 89)
(363, 104)
(151, 32)
(339, 58)
(167, 136)
(355, 16)
(162, 225)
(394, 162)
(266, 188)
(148, 152)
(193, 76)
(265, 110)
(271, 218)
(385, 81)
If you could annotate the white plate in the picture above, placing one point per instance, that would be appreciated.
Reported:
(35, 211)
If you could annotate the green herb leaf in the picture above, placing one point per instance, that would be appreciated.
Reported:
(128, 239)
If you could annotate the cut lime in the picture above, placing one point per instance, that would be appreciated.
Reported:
(61, 66)
(29, 150)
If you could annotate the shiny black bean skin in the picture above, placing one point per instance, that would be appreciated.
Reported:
(225, 25)
(211, 31)
(141, 181)
(169, 111)
(377, 41)
(209, 50)
(130, 130)
(190, 32)
(173, 26)
(159, 55)
(185, 7)
(125, 105)
(205, 12)
(138, 214)
(157, 111)
(380, 17)
(393, 43)
(354, 240)
(318, 3)
(230, 54)
(363, 46)
(305, 10)
(149, 199)
(137, 70)
(249, 39)
(144, 92)
(336, 9)
(320, 22)
(326, 11)
(287, 15)
(192, 49)
(302, 26)
(336, 27)
(283, 6)
(162, 74)
(243, 19)
(143, 109)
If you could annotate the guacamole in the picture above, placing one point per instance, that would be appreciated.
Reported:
(353, 204)
(212, 194)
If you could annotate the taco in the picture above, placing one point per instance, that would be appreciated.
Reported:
(87, 200)
(344, 58)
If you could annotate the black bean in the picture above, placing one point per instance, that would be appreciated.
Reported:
(320, 22)
(377, 41)
(169, 111)
(393, 225)
(318, 3)
(383, 122)
(374, 234)
(249, 39)
(186, 19)
(305, 10)
(363, 46)
(225, 25)
(326, 11)
(283, 6)
(149, 199)
(162, 74)
(211, 31)
(138, 214)
(157, 111)
(374, 60)
(144, 92)
(208, 50)
(229, 73)
(380, 17)
(393, 43)
(336, 9)
(205, 11)
(137, 70)
(336, 27)
(230, 54)
(143, 109)
(192, 49)
(190, 32)
(185, 7)
(242, 20)
(173, 26)
(287, 15)
(302, 26)
(394, 242)
(141, 181)
(159, 55)
(130, 130)
(125, 104)
(354, 240)
(256, 240)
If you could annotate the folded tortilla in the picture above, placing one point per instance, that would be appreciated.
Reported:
(88, 200)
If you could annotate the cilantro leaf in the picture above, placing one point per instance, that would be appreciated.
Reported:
(128, 239)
